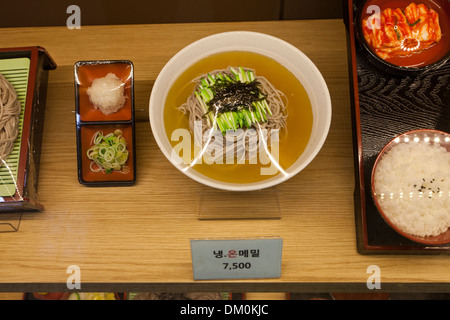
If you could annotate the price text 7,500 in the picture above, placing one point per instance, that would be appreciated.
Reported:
(235, 265)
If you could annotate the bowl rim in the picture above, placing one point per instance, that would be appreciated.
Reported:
(431, 66)
(277, 179)
(418, 239)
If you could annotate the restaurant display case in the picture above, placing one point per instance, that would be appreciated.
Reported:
(136, 239)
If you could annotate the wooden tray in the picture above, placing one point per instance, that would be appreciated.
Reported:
(385, 105)
(16, 71)
(30, 67)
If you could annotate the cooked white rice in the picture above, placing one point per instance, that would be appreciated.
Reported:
(107, 93)
(412, 185)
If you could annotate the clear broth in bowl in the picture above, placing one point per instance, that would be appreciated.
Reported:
(293, 139)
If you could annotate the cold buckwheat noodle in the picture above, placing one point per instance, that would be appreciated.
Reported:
(276, 120)
(9, 118)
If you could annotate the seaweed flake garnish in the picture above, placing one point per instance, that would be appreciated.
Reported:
(233, 96)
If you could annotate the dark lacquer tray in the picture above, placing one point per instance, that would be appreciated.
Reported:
(384, 105)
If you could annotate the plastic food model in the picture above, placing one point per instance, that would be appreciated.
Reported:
(402, 32)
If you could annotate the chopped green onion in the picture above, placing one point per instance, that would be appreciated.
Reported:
(414, 23)
(233, 100)
(108, 153)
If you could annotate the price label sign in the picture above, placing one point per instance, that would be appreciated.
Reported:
(236, 258)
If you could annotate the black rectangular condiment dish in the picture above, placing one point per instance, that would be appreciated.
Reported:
(90, 120)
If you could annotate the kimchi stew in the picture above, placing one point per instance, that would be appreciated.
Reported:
(401, 32)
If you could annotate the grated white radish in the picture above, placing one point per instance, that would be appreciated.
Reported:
(107, 93)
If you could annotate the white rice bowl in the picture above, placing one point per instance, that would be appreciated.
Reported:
(411, 184)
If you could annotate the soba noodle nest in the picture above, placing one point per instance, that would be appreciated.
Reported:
(276, 101)
(9, 118)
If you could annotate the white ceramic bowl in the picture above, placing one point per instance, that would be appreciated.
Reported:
(430, 136)
(281, 51)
